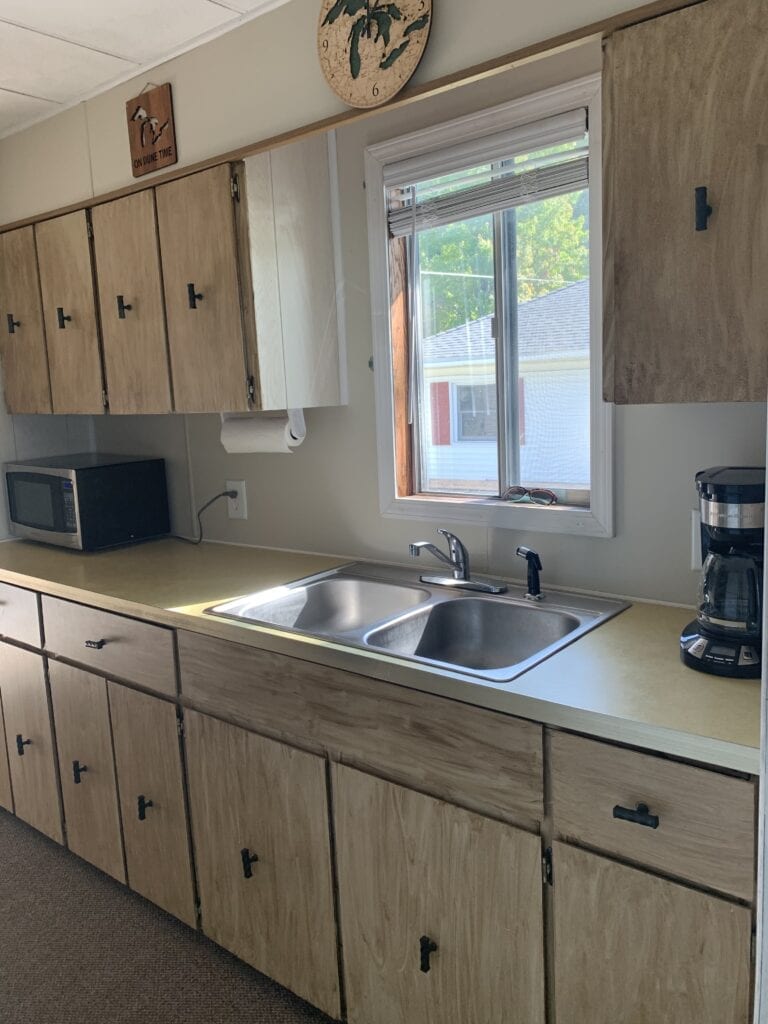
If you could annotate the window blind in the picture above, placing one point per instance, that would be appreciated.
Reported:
(507, 180)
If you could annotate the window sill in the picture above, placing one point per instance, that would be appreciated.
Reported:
(501, 515)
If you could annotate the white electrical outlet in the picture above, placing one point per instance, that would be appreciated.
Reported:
(237, 508)
(695, 539)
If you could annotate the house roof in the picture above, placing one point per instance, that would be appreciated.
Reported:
(552, 327)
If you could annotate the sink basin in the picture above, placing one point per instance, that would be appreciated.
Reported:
(474, 633)
(388, 610)
(332, 605)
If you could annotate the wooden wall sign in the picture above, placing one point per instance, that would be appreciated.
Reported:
(150, 130)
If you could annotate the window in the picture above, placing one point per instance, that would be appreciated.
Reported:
(490, 333)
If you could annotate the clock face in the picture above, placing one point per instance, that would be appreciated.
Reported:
(370, 48)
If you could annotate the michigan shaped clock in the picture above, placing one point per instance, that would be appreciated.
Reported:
(369, 49)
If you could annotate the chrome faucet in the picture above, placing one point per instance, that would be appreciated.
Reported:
(458, 559)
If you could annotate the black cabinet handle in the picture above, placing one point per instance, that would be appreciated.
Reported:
(13, 324)
(77, 771)
(193, 296)
(62, 319)
(95, 645)
(122, 306)
(20, 744)
(640, 815)
(143, 805)
(248, 858)
(426, 948)
(702, 207)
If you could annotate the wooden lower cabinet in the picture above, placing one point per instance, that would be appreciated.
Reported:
(441, 909)
(87, 768)
(6, 793)
(31, 754)
(148, 760)
(260, 829)
(631, 948)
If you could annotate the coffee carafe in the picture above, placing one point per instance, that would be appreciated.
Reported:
(725, 636)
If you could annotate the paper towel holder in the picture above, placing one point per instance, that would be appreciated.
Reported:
(296, 425)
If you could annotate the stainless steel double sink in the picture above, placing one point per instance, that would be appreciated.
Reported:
(384, 609)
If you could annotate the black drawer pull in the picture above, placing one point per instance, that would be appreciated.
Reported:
(702, 207)
(62, 320)
(20, 744)
(77, 771)
(13, 324)
(640, 815)
(248, 858)
(193, 296)
(122, 306)
(426, 948)
(95, 645)
(143, 805)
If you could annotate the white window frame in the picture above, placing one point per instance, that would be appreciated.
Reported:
(469, 138)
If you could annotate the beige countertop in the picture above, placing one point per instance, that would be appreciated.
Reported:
(624, 681)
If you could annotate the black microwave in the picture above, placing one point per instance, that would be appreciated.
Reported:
(88, 501)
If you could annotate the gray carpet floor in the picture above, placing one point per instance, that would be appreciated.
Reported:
(78, 948)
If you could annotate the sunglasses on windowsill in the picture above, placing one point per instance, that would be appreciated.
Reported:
(538, 495)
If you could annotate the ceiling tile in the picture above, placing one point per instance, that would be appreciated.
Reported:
(15, 108)
(140, 30)
(51, 69)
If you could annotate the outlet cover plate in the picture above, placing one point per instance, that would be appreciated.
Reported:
(237, 508)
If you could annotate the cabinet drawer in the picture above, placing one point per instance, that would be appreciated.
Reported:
(112, 645)
(705, 822)
(19, 619)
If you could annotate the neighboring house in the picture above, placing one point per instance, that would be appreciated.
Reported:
(553, 390)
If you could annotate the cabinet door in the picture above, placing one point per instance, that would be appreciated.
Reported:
(131, 303)
(86, 765)
(253, 798)
(631, 948)
(25, 361)
(66, 279)
(416, 873)
(148, 761)
(6, 793)
(30, 740)
(201, 280)
(686, 312)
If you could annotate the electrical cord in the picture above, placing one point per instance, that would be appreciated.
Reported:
(221, 494)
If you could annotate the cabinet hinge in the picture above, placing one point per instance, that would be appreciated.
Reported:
(104, 398)
(180, 726)
(250, 388)
(546, 867)
(89, 228)
(234, 188)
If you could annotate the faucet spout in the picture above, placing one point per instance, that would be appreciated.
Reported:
(458, 559)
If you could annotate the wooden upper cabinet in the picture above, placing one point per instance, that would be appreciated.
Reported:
(25, 360)
(86, 764)
(259, 814)
(686, 311)
(131, 303)
(634, 949)
(69, 308)
(31, 754)
(207, 330)
(441, 909)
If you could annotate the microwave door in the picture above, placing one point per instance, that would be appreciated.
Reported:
(43, 507)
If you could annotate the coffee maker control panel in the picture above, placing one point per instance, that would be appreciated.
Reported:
(719, 656)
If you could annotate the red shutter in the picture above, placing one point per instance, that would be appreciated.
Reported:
(521, 409)
(440, 406)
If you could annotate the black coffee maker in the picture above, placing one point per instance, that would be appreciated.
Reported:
(724, 638)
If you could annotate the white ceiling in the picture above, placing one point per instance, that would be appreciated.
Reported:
(54, 53)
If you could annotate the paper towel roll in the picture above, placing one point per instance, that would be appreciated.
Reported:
(262, 432)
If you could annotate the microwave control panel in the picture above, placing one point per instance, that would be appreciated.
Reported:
(68, 495)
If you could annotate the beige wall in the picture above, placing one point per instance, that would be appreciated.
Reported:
(263, 79)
